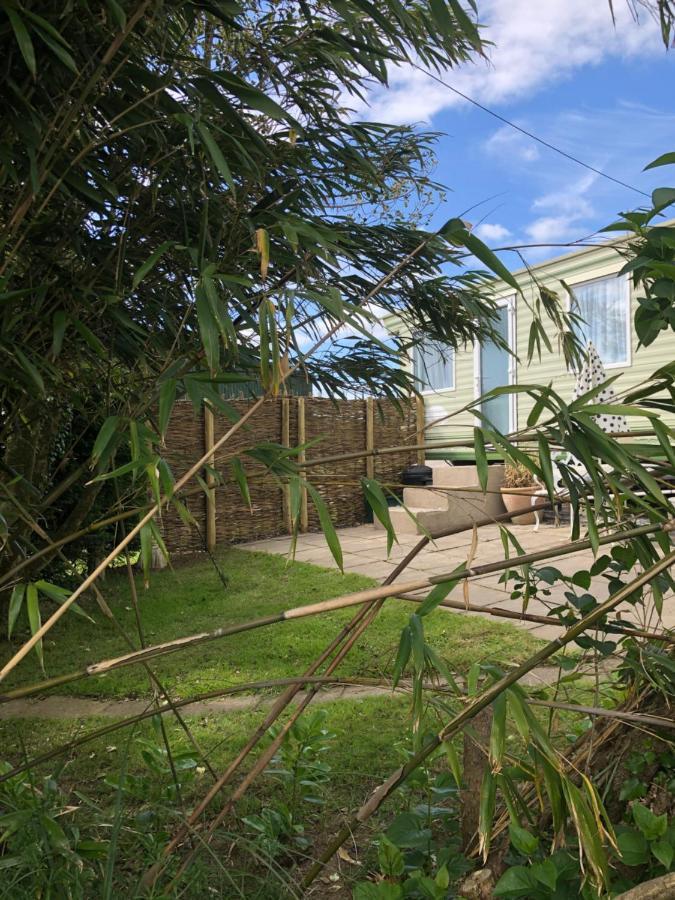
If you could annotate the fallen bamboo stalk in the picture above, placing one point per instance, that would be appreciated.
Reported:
(312, 609)
(25, 649)
(381, 793)
(357, 626)
(530, 436)
(624, 716)
(541, 620)
(164, 708)
(192, 471)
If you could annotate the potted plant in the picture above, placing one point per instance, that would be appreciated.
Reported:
(517, 489)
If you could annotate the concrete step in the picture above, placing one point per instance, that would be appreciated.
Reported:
(425, 498)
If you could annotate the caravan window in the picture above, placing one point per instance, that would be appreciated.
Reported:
(604, 305)
(434, 366)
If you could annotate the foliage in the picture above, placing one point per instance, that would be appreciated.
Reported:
(300, 767)
(42, 850)
(187, 201)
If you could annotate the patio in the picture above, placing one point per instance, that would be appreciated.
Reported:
(365, 551)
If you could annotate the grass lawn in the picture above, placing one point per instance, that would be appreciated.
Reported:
(191, 598)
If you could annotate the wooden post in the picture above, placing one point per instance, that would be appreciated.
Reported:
(302, 437)
(286, 442)
(209, 440)
(370, 436)
(421, 434)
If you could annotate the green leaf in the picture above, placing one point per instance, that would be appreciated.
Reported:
(390, 859)
(15, 603)
(664, 851)
(23, 38)
(242, 481)
(30, 369)
(59, 321)
(208, 330)
(498, 731)
(327, 526)
(378, 503)
(34, 619)
(488, 793)
(150, 263)
(402, 655)
(633, 847)
(104, 437)
(60, 595)
(546, 465)
(481, 458)
(456, 232)
(651, 826)
(438, 594)
(666, 159)
(523, 840)
(216, 155)
(417, 641)
(516, 882)
(146, 552)
(663, 197)
(453, 761)
(167, 398)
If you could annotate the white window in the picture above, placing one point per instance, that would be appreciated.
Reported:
(604, 305)
(434, 366)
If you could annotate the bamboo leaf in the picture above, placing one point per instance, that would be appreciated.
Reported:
(216, 155)
(438, 593)
(481, 458)
(23, 38)
(167, 398)
(402, 655)
(488, 793)
(150, 263)
(104, 437)
(453, 761)
(242, 482)
(34, 619)
(146, 552)
(498, 732)
(15, 603)
(326, 525)
(378, 503)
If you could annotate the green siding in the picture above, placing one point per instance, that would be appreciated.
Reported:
(575, 268)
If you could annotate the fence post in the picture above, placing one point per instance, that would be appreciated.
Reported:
(286, 442)
(209, 439)
(302, 437)
(419, 415)
(370, 436)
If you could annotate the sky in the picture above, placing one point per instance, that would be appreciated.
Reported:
(560, 69)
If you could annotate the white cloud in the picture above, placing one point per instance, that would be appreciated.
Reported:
(505, 142)
(492, 232)
(565, 210)
(536, 42)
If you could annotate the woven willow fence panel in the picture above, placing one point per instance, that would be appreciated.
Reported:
(337, 428)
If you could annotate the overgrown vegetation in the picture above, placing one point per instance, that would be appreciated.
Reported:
(187, 202)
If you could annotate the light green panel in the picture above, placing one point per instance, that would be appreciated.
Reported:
(575, 268)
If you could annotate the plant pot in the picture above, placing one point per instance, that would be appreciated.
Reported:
(519, 498)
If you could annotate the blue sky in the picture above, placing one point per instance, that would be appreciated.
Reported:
(561, 70)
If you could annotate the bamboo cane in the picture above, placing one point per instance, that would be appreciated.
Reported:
(357, 626)
(381, 793)
(25, 649)
(346, 600)
(461, 606)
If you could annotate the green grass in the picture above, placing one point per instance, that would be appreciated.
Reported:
(192, 598)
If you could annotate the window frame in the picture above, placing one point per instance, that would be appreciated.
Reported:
(624, 281)
(429, 390)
